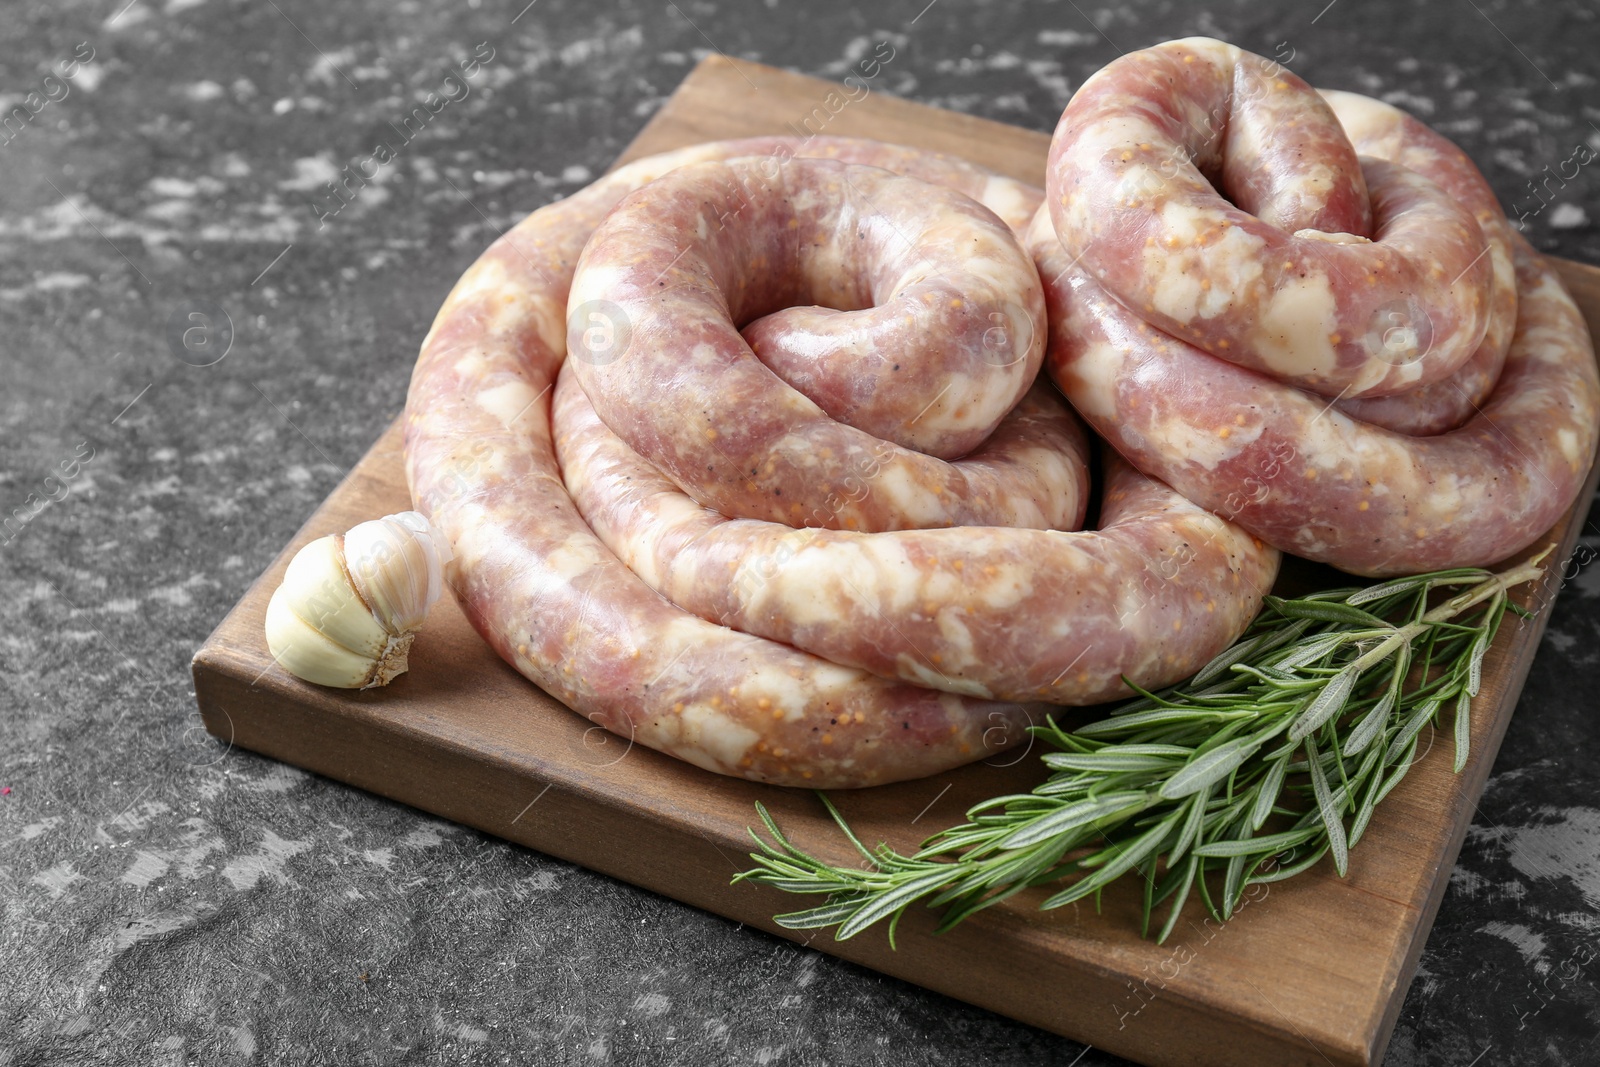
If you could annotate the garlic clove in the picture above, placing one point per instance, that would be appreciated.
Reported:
(305, 652)
(349, 605)
(325, 597)
(397, 568)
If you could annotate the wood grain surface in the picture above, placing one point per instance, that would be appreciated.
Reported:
(1311, 971)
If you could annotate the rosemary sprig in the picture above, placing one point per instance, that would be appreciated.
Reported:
(1273, 756)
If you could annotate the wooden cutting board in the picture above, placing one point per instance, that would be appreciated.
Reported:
(1313, 972)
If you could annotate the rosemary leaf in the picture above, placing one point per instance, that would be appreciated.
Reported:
(1206, 770)
(1075, 816)
(1371, 724)
(1328, 703)
(1194, 820)
(1332, 819)
(1463, 728)
(1267, 795)
(884, 905)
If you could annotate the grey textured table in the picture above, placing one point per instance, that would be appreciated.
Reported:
(166, 900)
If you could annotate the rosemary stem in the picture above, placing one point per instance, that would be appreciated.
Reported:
(1491, 586)
(1494, 584)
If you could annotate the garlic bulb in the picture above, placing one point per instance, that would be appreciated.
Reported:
(349, 605)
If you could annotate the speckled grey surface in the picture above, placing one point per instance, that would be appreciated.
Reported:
(168, 901)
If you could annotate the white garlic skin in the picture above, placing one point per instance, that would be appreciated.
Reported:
(349, 603)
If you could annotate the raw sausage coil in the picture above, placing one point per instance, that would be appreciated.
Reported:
(1316, 482)
(949, 320)
(1176, 322)
(1464, 471)
(482, 444)
(1285, 279)
(1385, 132)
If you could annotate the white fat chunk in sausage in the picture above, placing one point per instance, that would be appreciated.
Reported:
(520, 312)
(1232, 264)
(1567, 440)
(471, 362)
(1204, 445)
(918, 503)
(1294, 336)
(788, 697)
(1332, 238)
(1096, 371)
(1014, 203)
(1363, 118)
(1007, 586)
(715, 735)
(508, 402)
(485, 276)
(573, 557)
(968, 402)
(919, 671)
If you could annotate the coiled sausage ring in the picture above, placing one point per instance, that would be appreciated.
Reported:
(740, 455)
(1423, 399)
